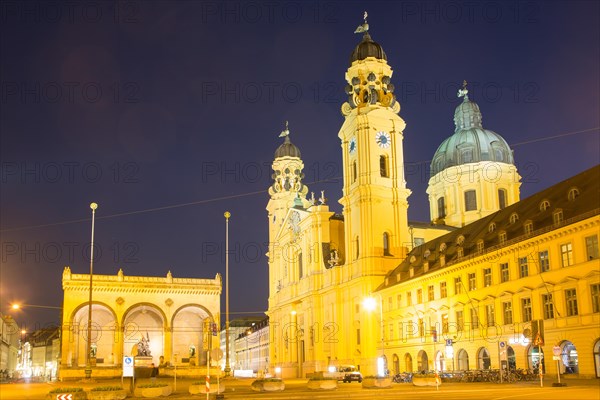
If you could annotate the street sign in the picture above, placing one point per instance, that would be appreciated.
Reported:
(556, 350)
(127, 366)
(64, 396)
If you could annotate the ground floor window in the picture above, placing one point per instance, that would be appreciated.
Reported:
(483, 359)
(597, 358)
(463, 360)
(422, 361)
(535, 358)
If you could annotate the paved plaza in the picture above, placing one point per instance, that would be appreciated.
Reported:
(296, 389)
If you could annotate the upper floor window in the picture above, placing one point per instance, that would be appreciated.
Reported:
(472, 281)
(383, 166)
(514, 217)
(492, 227)
(466, 155)
(566, 253)
(457, 285)
(595, 291)
(487, 277)
(504, 272)
(470, 200)
(571, 302)
(441, 203)
(544, 205)
(544, 261)
(591, 247)
(430, 293)
(443, 290)
(523, 267)
(548, 306)
(501, 198)
(480, 246)
(419, 296)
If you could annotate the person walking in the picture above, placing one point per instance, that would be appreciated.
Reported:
(153, 373)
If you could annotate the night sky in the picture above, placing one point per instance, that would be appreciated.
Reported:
(167, 114)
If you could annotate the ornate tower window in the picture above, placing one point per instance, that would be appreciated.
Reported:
(501, 198)
(383, 166)
(386, 244)
(441, 207)
(470, 200)
(354, 171)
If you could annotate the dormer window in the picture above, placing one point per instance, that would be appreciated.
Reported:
(514, 217)
(573, 194)
(466, 155)
(502, 237)
(528, 227)
(544, 205)
(460, 252)
(460, 240)
(492, 227)
(442, 247)
(557, 217)
(480, 246)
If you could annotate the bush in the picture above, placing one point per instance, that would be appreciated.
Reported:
(66, 390)
(106, 388)
(153, 385)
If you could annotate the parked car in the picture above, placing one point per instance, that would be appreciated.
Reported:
(340, 372)
(351, 376)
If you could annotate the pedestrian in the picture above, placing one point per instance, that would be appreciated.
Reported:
(153, 373)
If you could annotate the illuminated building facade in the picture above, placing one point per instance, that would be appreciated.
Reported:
(503, 280)
(176, 317)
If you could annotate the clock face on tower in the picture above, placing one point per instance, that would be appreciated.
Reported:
(383, 139)
(352, 146)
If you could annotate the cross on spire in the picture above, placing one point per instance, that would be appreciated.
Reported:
(464, 91)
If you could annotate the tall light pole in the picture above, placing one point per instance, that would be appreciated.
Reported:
(88, 363)
(227, 367)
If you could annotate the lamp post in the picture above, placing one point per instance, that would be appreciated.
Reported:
(88, 363)
(227, 367)
(370, 304)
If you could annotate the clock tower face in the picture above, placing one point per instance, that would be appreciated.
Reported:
(352, 146)
(383, 139)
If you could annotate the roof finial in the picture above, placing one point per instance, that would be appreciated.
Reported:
(464, 91)
(364, 27)
(285, 133)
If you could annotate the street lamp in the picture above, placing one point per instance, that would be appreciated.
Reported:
(17, 306)
(88, 363)
(370, 304)
(227, 369)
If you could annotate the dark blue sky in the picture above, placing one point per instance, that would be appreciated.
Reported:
(140, 105)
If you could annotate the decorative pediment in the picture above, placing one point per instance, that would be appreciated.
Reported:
(524, 289)
(567, 279)
(506, 293)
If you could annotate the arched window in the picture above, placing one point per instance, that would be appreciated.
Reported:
(514, 217)
(300, 267)
(470, 200)
(492, 227)
(441, 203)
(386, 244)
(357, 249)
(383, 166)
(501, 198)
(544, 205)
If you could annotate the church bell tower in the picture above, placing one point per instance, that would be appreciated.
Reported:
(374, 192)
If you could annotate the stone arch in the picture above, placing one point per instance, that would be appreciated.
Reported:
(597, 357)
(462, 358)
(408, 362)
(483, 358)
(189, 324)
(396, 364)
(569, 362)
(422, 361)
(440, 361)
(148, 321)
(104, 332)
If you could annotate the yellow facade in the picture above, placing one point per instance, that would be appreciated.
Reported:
(322, 265)
(172, 314)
